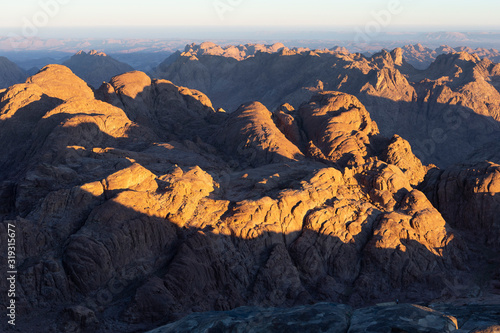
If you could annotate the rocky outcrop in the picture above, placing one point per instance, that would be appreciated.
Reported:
(474, 318)
(318, 318)
(399, 153)
(339, 125)
(59, 82)
(252, 136)
(239, 52)
(169, 110)
(467, 196)
(96, 67)
(401, 318)
(324, 317)
(335, 318)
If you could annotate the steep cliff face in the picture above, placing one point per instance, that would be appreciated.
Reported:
(142, 205)
(467, 196)
(446, 111)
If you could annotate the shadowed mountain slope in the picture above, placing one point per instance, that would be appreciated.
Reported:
(446, 112)
(10, 73)
(96, 67)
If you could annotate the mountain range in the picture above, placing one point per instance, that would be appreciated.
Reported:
(421, 57)
(447, 111)
(332, 178)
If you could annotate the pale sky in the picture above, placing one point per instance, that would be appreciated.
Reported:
(392, 15)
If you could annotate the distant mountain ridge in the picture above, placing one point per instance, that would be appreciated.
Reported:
(242, 52)
(10, 73)
(421, 57)
(96, 67)
(418, 55)
(313, 39)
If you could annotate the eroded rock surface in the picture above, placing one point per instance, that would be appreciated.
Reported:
(468, 197)
(446, 111)
(140, 206)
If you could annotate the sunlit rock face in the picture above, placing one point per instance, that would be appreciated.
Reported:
(137, 204)
(446, 111)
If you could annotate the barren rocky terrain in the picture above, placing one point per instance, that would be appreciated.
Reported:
(447, 112)
(421, 57)
(141, 202)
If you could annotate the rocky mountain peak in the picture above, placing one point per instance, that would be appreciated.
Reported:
(59, 81)
(96, 67)
(397, 56)
(91, 53)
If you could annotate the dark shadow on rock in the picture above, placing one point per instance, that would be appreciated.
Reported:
(17, 133)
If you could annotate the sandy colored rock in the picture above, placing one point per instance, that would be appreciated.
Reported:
(340, 126)
(399, 153)
(141, 207)
(58, 81)
(467, 196)
(135, 177)
(286, 121)
(446, 110)
(251, 134)
(167, 109)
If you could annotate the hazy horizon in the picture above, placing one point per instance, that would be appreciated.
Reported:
(367, 25)
(240, 18)
(225, 32)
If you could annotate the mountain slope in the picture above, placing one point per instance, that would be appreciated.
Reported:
(10, 73)
(446, 112)
(96, 67)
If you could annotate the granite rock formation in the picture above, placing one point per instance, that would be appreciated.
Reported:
(446, 112)
(137, 203)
